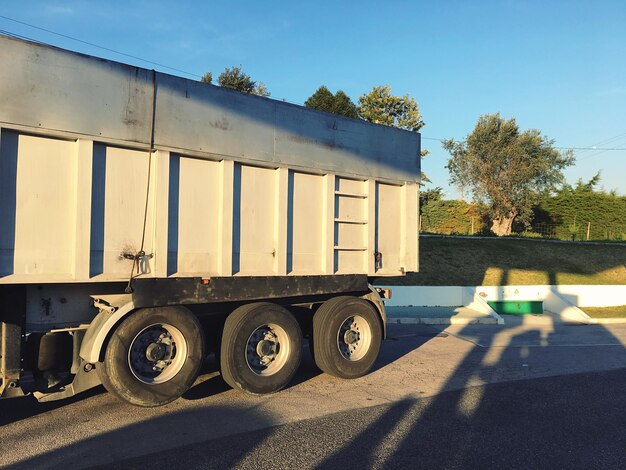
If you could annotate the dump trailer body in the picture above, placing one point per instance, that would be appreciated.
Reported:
(234, 185)
(111, 173)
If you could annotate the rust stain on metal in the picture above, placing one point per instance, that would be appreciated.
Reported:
(47, 306)
(222, 124)
(299, 139)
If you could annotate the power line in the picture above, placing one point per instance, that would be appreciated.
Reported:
(615, 139)
(611, 139)
(599, 149)
(19, 36)
(594, 148)
(94, 45)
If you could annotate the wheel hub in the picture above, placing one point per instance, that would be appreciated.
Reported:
(352, 337)
(266, 348)
(157, 354)
(265, 353)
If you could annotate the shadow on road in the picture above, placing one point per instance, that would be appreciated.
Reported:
(405, 339)
(172, 430)
(16, 409)
(178, 427)
(547, 422)
(473, 422)
(457, 429)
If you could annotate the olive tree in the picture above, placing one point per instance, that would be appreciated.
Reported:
(506, 169)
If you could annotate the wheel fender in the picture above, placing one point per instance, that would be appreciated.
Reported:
(113, 308)
(376, 299)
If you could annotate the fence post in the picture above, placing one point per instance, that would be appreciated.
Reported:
(588, 229)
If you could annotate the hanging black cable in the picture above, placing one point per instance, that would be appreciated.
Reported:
(141, 254)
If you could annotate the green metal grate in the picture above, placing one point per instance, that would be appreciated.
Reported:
(517, 307)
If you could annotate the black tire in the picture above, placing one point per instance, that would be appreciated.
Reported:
(347, 334)
(255, 333)
(126, 369)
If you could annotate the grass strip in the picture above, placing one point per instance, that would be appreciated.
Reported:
(450, 261)
(605, 312)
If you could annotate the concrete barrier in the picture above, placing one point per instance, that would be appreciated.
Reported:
(560, 300)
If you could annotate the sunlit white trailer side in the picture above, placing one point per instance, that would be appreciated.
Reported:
(179, 208)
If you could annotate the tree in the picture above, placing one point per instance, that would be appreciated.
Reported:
(582, 187)
(339, 103)
(381, 107)
(431, 195)
(207, 78)
(506, 169)
(582, 211)
(235, 79)
(261, 90)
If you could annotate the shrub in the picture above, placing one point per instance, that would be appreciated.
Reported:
(575, 211)
(448, 217)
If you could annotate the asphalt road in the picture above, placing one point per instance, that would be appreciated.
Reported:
(574, 421)
(536, 394)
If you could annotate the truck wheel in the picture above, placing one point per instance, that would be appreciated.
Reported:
(153, 356)
(346, 337)
(261, 348)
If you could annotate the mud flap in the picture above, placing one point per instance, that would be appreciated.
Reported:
(85, 379)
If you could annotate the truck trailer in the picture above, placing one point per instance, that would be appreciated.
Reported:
(148, 220)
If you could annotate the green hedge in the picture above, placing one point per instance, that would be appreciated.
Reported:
(571, 212)
(451, 217)
(565, 216)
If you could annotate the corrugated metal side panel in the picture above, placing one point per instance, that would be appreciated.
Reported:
(74, 209)
(51, 89)
(77, 207)
(305, 242)
(197, 117)
(263, 187)
(48, 88)
(198, 213)
(194, 116)
(44, 198)
(346, 146)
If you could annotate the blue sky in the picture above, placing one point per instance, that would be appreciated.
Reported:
(557, 66)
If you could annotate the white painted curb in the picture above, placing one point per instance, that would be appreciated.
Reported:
(443, 321)
(562, 301)
(479, 304)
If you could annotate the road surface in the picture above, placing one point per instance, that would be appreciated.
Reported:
(532, 393)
